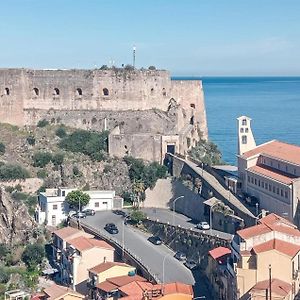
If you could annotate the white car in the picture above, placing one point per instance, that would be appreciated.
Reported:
(203, 226)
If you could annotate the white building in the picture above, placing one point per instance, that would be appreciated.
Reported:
(270, 172)
(53, 209)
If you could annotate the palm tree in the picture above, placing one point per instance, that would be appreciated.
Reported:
(138, 187)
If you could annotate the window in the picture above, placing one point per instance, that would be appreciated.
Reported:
(36, 92)
(286, 194)
(271, 164)
(273, 189)
(262, 184)
(294, 171)
(56, 92)
(105, 92)
(270, 187)
(266, 186)
(281, 192)
(255, 181)
(192, 105)
(164, 93)
(152, 91)
(246, 129)
(286, 168)
(54, 206)
(244, 122)
(96, 204)
(244, 139)
(279, 166)
(248, 178)
(242, 130)
(79, 92)
(251, 179)
(104, 202)
(258, 182)
(277, 191)
(63, 193)
(6, 91)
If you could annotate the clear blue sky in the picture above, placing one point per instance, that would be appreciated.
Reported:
(187, 37)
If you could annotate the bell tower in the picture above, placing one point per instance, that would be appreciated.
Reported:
(246, 140)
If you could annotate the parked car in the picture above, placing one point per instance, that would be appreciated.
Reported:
(89, 212)
(180, 256)
(120, 212)
(79, 215)
(203, 226)
(191, 264)
(72, 213)
(111, 228)
(155, 240)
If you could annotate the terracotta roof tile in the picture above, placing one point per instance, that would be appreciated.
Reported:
(286, 248)
(277, 149)
(82, 243)
(253, 231)
(122, 280)
(66, 232)
(136, 288)
(272, 173)
(105, 266)
(107, 286)
(178, 288)
(279, 287)
(219, 252)
(57, 291)
(272, 219)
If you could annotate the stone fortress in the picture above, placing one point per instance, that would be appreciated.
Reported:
(146, 112)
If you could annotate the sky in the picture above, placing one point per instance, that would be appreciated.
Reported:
(186, 37)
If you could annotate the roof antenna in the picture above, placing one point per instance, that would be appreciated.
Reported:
(134, 48)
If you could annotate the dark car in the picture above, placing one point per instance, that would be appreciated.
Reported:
(119, 212)
(89, 212)
(79, 215)
(191, 264)
(155, 240)
(111, 228)
(180, 256)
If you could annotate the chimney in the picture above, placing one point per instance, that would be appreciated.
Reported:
(104, 259)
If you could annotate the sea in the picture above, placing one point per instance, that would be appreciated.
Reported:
(273, 104)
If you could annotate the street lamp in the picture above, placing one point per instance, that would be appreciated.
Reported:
(123, 236)
(174, 202)
(163, 274)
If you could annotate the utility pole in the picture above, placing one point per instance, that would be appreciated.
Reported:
(133, 63)
(270, 281)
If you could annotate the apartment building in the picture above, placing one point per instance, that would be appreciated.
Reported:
(75, 252)
(53, 209)
(270, 172)
(270, 249)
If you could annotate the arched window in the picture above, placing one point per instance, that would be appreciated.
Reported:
(244, 139)
(56, 92)
(164, 93)
(6, 91)
(105, 92)
(79, 92)
(36, 92)
(244, 122)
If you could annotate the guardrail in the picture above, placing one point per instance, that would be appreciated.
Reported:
(119, 248)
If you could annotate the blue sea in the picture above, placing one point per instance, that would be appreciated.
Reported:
(273, 103)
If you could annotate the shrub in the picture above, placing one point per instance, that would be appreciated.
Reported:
(2, 148)
(3, 251)
(42, 123)
(11, 172)
(19, 196)
(31, 140)
(129, 68)
(14, 256)
(137, 216)
(107, 169)
(92, 144)
(61, 132)
(152, 68)
(104, 67)
(76, 197)
(58, 159)
(33, 255)
(4, 275)
(41, 159)
(41, 174)
(76, 171)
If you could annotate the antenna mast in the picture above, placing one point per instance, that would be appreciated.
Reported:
(134, 48)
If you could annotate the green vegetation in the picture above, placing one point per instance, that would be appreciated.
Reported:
(76, 197)
(137, 216)
(152, 68)
(12, 172)
(31, 140)
(206, 152)
(2, 148)
(76, 171)
(58, 159)
(41, 159)
(33, 255)
(93, 144)
(42, 123)
(41, 174)
(61, 132)
(29, 200)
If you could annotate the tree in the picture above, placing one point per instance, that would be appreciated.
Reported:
(61, 132)
(41, 159)
(42, 123)
(33, 255)
(76, 198)
(138, 189)
(152, 68)
(137, 216)
(58, 159)
(11, 172)
(2, 148)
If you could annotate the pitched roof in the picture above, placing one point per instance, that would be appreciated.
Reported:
(272, 219)
(136, 288)
(82, 243)
(106, 265)
(266, 171)
(277, 149)
(177, 288)
(107, 286)
(279, 287)
(57, 292)
(286, 248)
(253, 231)
(219, 252)
(66, 232)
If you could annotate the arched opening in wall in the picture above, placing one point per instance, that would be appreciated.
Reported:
(192, 120)
(94, 121)
(105, 92)
(35, 92)
(6, 91)
(79, 92)
(192, 105)
(152, 91)
(244, 139)
(84, 121)
(56, 92)
(164, 93)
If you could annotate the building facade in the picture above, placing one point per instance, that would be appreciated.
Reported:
(53, 208)
(270, 249)
(270, 172)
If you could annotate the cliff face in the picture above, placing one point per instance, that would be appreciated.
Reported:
(16, 225)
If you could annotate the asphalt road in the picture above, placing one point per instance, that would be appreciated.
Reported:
(166, 215)
(136, 242)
